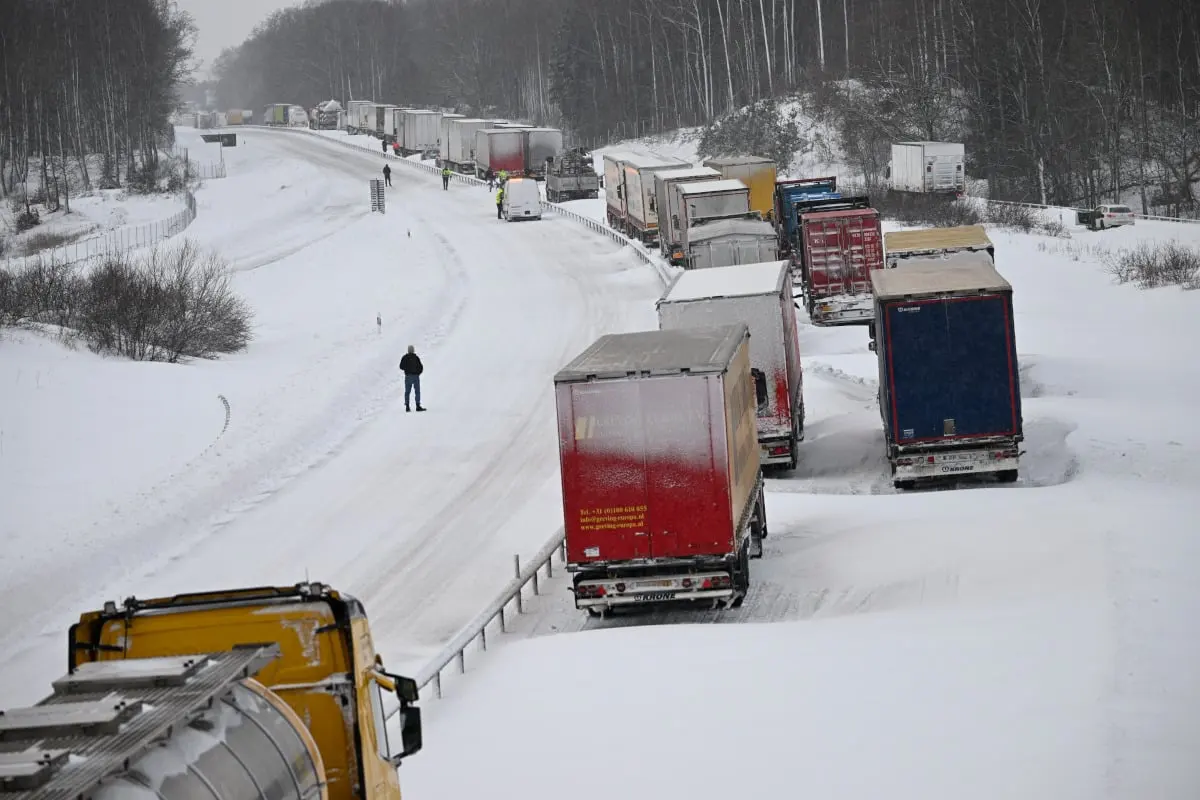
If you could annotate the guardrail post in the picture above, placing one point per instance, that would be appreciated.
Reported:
(437, 684)
(483, 638)
(462, 662)
(503, 626)
(517, 573)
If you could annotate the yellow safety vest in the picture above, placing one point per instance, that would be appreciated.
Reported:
(499, 197)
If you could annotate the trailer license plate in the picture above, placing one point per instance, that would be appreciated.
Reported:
(650, 597)
(668, 583)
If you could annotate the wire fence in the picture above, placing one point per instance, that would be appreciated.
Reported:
(197, 170)
(115, 241)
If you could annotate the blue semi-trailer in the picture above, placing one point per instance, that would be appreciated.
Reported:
(949, 388)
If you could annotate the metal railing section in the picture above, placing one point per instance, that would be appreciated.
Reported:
(117, 240)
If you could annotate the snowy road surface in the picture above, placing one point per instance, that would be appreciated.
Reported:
(321, 472)
(1024, 641)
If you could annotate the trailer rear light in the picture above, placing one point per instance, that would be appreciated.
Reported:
(904, 462)
(620, 587)
(1004, 454)
(587, 592)
(930, 460)
(781, 450)
(721, 582)
(687, 583)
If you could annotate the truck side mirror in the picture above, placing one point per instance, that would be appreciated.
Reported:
(411, 739)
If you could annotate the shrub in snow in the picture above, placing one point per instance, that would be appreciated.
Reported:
(761, 129)
(1150, 266)
(175, 303)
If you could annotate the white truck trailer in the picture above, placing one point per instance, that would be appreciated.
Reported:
(759, 295)
(928, 168)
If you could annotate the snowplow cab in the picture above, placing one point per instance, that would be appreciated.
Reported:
(327, 671)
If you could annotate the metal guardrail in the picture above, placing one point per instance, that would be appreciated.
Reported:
(456, 649)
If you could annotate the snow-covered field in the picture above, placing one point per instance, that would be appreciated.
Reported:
(1026, 641)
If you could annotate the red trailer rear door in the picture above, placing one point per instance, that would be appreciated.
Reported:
(686, 455)
(604, 472)
(841, 248)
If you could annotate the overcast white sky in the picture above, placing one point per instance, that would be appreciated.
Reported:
(225, 23)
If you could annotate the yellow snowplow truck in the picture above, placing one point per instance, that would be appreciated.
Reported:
(270, 693)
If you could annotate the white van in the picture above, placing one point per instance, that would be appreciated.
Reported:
(521, 199)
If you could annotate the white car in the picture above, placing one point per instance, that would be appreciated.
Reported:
(521, 199)
(1108, 216)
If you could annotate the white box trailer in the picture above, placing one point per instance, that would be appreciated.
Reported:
(459, 153)
(727, 242)
(703, 200)
(760, 296)
(541, 145)
(386, 123)
(362, 116)
(668, 209)
(641, 205)
(614, 192)
(421, 131)
(928, 167)
(444, 132)
(355, 115)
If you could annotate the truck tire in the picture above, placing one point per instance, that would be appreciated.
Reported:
(741, 577)
(1007, 476)
(904, 486)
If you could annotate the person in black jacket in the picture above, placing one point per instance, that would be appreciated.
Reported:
(387, 174)
(412, 367)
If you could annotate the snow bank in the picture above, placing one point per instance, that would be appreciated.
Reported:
(939, 705)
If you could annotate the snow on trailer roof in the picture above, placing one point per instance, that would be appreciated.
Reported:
(704, 187)
(936, 239)
(740, 280)
(743, 226)
(638, 161)
(688, 172)
(925, 279)
(644, 353)
(738, 161)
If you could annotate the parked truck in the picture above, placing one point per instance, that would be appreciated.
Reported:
(790, 192)
(614, 191)
(641, 205)
(444, 133)
(840, 244)
(276, 114)
(966, 244)
(459, 151)
(757, 173)
(499, 149)
(759, 295)
(421, 131)
(357, 112)
(571, 175)
(716, 227)
(661, 482)
(272, 692)
(928, 168)
(541, 146)
(949, 388)
(726, 242)
(668, 209)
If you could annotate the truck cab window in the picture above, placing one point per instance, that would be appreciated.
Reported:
(381, 736)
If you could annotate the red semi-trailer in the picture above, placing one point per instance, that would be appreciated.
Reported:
(661, 476)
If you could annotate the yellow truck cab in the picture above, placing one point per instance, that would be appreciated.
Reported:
(279, 689)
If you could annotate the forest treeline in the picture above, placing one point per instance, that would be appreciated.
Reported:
(86, 89)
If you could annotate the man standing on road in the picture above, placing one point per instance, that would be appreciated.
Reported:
(387, 174)
(384, 143)
(445, 178)
(412, 367)
(500, 203)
